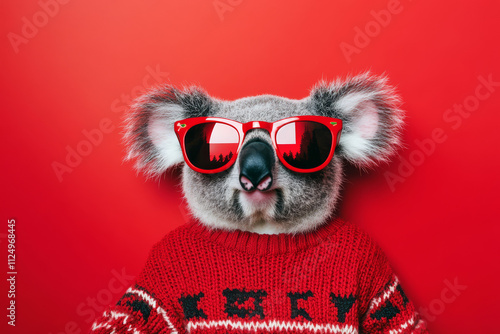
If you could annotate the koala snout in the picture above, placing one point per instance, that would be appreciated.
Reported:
(256, 162)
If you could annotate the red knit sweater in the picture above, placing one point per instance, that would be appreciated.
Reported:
(197, 280)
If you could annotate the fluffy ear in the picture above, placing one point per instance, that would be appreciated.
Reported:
(369, 109)
(149, 126)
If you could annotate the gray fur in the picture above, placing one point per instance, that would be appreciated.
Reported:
(326, 99)
(300, 201)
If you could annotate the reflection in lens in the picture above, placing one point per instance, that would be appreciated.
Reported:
(304, 144)
(211, 145)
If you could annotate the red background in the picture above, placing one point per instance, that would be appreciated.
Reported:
(438, 225)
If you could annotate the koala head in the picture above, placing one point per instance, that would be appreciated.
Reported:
(280, 200)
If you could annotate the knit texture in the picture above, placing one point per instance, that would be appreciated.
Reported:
(331, 280)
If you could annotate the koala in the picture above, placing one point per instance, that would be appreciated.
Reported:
(296, 202)
(267, 211)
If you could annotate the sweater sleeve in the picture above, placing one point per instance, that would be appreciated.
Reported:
(140, 310)
(388, 309)
(136, 312)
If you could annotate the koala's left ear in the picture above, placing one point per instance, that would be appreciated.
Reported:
(369, 109)
(149, 127)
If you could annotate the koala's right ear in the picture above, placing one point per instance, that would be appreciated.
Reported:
(372, 119)
(149, 126)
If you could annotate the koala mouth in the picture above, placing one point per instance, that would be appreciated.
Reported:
(258, 203)
(258, 197)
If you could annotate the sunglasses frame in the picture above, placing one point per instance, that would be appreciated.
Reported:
(182, 127)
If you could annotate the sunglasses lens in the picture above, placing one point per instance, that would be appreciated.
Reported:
(304, 144)
(211, 145)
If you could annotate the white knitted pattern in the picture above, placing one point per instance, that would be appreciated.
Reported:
(403, 326)
(113, 315)
(152, 302)
(387, 293)
(271, 326)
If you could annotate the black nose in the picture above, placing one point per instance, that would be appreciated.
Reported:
(256, 161)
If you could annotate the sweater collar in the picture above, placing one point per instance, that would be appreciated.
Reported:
(261, 244)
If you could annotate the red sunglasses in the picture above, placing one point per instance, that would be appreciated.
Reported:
(304, 144)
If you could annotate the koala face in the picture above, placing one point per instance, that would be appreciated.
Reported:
(258, 193)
